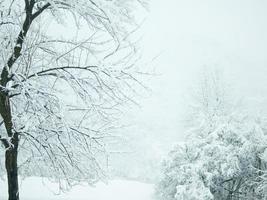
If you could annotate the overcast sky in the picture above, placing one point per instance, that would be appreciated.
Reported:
(191, 35)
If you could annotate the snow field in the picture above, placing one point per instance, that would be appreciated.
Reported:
(34, 189)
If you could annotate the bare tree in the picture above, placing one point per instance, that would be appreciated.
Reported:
(59, 98)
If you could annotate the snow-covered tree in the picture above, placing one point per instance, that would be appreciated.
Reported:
(61, 95)
(222, 156)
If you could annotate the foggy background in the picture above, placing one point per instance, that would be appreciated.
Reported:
(181, 39)
(190, 36)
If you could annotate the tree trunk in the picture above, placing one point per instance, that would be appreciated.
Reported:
(11, 145)
(12, 173)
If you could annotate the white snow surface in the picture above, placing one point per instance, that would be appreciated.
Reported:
(35, 189)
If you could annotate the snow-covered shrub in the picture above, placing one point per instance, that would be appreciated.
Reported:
(223, 156)
(226, 162)
(181, 178)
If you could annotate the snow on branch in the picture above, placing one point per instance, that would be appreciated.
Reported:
(61, 98)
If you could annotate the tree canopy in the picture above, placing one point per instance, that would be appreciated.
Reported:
(62, 96)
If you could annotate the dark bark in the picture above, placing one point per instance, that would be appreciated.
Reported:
(11, 148)
(12, 174)
(5, 108)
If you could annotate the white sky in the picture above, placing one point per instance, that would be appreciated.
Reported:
(227, 34)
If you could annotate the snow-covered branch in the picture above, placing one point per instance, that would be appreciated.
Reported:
(65, 95)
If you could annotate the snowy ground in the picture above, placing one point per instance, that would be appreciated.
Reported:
(33, 189)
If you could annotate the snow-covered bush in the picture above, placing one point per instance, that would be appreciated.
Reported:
(222, 157)
(225, 163)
